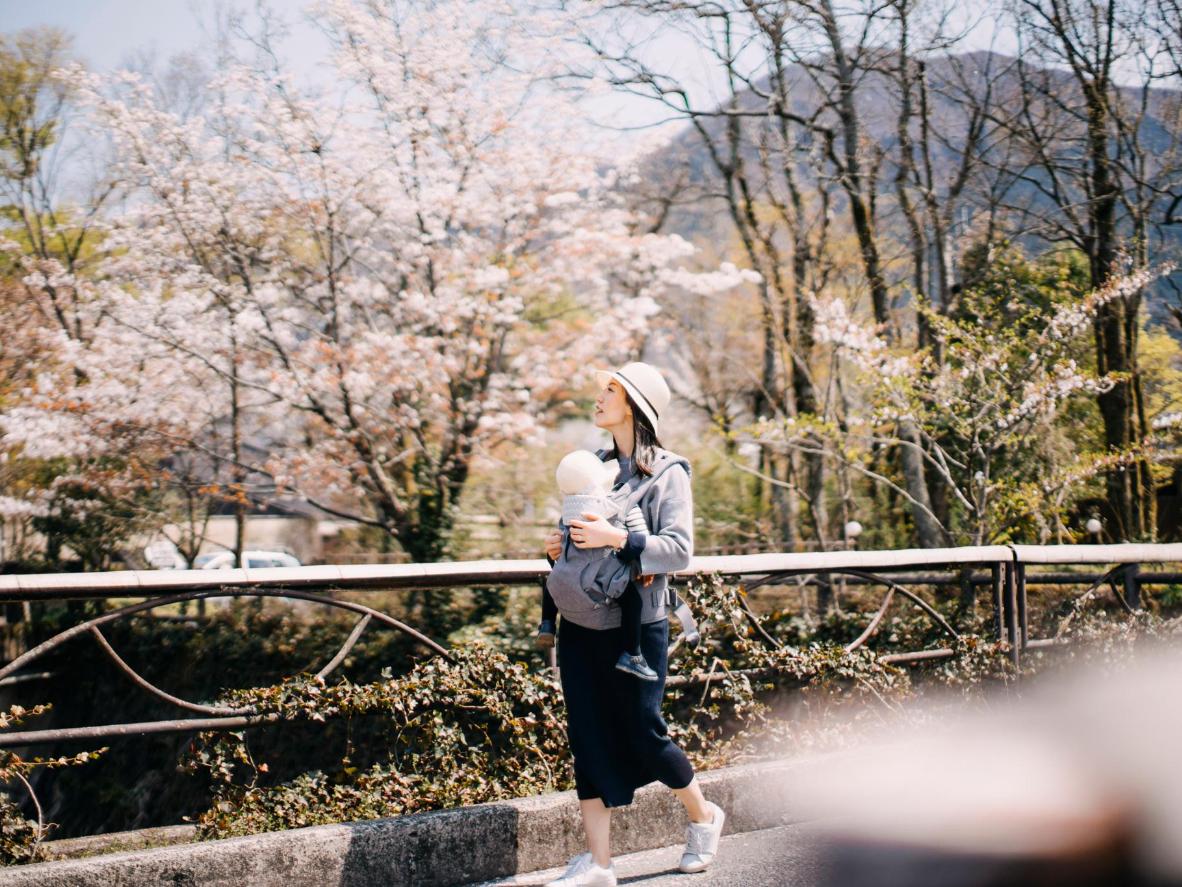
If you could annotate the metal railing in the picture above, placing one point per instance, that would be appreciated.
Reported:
(1003, 568)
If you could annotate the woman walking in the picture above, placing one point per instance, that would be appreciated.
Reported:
(617, 735)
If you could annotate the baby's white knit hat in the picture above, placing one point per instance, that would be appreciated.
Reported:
(581, 471)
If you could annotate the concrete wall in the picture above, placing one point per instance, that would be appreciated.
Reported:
(444, 848)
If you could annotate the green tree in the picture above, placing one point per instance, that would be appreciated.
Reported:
(55, 236)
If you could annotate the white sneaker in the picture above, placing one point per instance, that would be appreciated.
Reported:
(701, 841)
(583, 872)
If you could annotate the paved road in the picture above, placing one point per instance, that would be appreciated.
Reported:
(776, 857)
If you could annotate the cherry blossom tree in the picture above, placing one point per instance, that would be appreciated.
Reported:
(377, 283)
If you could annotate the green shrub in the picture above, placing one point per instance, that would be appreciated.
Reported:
(20, 837)
(478, 729)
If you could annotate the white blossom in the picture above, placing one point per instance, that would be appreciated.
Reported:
(355, 270)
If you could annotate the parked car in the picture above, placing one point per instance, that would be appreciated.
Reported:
(162, 554)
(224, 560)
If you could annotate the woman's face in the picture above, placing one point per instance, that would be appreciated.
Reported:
(611, 407)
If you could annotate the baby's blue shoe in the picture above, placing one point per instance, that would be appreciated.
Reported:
(636, 666)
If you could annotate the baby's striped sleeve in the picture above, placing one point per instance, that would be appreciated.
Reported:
(634, 521)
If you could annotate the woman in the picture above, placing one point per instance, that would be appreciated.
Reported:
(617, 735)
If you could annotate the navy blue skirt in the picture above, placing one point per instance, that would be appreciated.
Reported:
(617, 735)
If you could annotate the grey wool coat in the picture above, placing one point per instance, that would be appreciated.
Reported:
(580, 578)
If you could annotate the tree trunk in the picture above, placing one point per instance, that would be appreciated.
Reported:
(1129, 487)
(853, 182)
(238, 474)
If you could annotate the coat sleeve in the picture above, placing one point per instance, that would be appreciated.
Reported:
(670, 544)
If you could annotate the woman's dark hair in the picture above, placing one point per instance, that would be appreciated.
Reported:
(644, 440)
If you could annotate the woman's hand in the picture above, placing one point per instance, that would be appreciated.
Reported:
(554, 544)
(594, 531)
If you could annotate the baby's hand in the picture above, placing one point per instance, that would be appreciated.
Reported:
(553, 544)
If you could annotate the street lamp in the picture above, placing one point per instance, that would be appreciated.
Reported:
(1094, 527)
(853, 530)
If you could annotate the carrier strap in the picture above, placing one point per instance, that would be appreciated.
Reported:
(674, 603)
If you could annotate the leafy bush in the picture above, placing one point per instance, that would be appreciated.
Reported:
(477, 729)
(20, 838)
(136, 784)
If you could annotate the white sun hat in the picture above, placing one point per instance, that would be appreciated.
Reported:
(644, 383)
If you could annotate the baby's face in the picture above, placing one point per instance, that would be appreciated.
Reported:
(611, 406)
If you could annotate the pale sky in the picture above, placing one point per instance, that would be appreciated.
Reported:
(107, 33)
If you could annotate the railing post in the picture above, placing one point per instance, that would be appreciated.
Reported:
(1132, 583)
(824, 594)
(1010, 602)
(995, 577)
(1020, 570)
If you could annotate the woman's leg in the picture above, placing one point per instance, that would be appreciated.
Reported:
(586, 659)
(695, 804)
(597, 824)
(646, 733)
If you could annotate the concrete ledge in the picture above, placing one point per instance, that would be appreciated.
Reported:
(442, 848)
(114, 842)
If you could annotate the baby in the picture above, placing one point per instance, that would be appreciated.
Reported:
(591, 577)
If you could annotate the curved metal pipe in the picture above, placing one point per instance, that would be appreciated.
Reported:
(873, 626)
(145, 684)
(348, 645)
(60, 638)
(892, 587)
(910, 595)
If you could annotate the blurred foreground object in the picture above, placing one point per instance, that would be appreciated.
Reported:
(1076, 783)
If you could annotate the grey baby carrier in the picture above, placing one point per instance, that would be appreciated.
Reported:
(585, 582)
